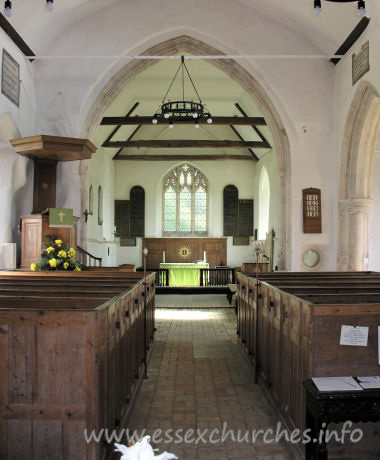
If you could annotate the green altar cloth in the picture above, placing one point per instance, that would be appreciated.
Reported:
(184, 275)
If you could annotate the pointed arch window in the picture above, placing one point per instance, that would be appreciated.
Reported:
(185, 197)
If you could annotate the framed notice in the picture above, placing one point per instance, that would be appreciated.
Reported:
(312, 216)
(10, 78)
(360, 63)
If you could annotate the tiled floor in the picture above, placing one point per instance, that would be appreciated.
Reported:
(192, 301)
(199, 379)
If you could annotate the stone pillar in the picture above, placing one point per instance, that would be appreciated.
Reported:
(353, 231)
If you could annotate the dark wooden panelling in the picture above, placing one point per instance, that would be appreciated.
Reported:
(230, 210)
(137, 211)
(215, 248)
(122, 221)
(245, 218)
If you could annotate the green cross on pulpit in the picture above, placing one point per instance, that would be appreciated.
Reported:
(60, 217)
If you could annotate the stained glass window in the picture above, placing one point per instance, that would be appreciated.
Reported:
(185, 202)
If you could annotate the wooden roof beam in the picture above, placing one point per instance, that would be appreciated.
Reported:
(241, 138)
(257, 131)
(184, 157)
(255, 121)
(184, 143)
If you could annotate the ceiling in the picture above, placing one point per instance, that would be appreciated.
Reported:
(217, 90)
(39, 27)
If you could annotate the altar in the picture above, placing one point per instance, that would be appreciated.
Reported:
(184, 275)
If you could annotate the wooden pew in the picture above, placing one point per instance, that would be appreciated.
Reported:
(292, 333)
(71, 359)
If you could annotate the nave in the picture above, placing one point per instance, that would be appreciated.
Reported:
(199, 378)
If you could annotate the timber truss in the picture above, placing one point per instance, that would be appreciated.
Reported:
(139, 122)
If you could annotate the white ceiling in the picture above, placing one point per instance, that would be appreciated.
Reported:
(38, 26)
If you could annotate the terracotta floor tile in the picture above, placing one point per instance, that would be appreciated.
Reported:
(200, 383)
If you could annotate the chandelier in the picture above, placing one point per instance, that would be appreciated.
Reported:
(182, 110)
(361, 6)
(8, 6)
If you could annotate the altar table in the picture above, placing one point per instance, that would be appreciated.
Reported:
(184, 275)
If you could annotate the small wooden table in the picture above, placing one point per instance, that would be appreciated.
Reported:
(335, 407)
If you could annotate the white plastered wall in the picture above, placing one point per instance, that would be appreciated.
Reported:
(16, 172)
(345, 93)
(301, 90)
(149, 175)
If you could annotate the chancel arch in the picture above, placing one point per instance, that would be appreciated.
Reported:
(360, 136)
(187, 45)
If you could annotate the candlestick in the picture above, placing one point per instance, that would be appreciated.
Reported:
(163, 256)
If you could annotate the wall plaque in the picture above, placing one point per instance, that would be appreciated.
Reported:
(312, 217)
(245, 218)
(360, 63)
(10, 78)
(230, 211)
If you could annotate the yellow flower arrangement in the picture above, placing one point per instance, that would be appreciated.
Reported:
(62, 254)
(56, 255)
(53, 262)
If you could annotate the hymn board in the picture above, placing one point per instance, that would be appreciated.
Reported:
(312, 216)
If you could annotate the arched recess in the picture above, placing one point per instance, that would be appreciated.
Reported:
(264, 203)
(360, 135)
(187, 45)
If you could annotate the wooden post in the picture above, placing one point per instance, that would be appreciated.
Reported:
(145, 307)
(257, 251)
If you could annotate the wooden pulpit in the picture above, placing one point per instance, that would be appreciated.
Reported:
(46, 152)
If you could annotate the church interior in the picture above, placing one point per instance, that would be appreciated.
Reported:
(189, 246)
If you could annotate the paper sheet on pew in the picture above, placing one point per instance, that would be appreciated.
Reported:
(370, 383)
(354, 335)
(336, 384)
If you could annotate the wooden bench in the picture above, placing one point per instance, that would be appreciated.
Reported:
(74, 351)
(291, 330)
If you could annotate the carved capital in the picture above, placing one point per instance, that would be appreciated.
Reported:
(355, 206)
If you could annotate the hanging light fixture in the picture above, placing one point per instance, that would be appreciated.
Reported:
(317, 7)
(361, 6)
(182, 110)
(8, 8)
(49, 5)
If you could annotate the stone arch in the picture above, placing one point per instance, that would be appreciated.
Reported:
(188, 45)
(360, 134)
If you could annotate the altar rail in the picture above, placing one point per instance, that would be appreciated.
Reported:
(208, 276)
(217, 276)
(161, 275)
(73, 348)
